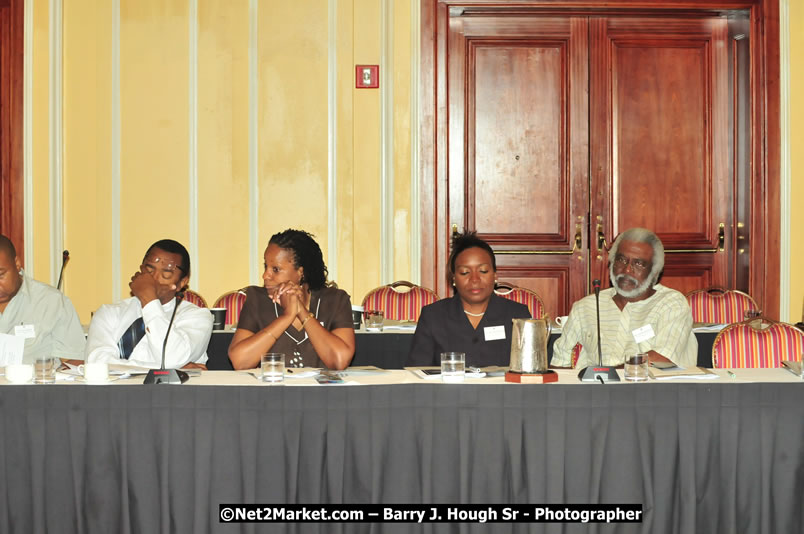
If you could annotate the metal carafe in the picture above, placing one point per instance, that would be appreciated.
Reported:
(529, 345)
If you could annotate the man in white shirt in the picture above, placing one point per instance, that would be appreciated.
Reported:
(637, 315)
(133, 330)
(40, 314)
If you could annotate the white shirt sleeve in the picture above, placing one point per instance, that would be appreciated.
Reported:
(674, 337)
(187, 342)
(101, 340)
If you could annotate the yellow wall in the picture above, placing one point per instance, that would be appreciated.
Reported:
(293, 158)
(797, 160)
(155, 125)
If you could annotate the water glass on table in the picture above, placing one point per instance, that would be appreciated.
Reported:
(636, 367)
(374, 320)
(45, 370)
(272, 367)
(453, 366)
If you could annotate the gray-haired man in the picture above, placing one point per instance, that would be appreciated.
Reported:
(636, 315)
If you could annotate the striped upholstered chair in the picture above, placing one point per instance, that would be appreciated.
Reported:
(233, 302)
(523, 296)
(757, 343)
(400, 301)
(721, 306)
(195, 298)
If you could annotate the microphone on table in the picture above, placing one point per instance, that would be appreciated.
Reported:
(599, 372)
(65, 257)
(162, 375)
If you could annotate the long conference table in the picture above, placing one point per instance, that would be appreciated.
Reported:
(724, 455)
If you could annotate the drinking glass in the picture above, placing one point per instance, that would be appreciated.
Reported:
(636, 367)
(45, 370)
(453, 365)
(273, 367)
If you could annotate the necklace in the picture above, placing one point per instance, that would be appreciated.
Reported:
(296, 361)
(474, 314)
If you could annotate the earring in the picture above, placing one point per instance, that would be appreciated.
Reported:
(20, 272)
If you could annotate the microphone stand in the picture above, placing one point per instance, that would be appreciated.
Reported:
(162, 375)
(65, 257)
(599, 372)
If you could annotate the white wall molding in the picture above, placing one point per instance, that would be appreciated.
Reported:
(55, 138)
(255, 254)
(115, 148)
(27, 136)
(387, 142)
(192, 102)
(332, 139)
(786, 175)
(415, 201)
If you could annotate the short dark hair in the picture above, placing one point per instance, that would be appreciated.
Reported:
(306, 254)
(467, 240)
(174, 247)
(8, 247)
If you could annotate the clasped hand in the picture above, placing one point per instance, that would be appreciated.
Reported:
(291, 297)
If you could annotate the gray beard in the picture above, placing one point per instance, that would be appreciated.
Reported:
(638, 291)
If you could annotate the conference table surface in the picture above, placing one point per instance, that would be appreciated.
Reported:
(722, 455)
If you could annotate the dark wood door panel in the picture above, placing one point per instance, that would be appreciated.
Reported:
(518, 145)
(660, 129)
(515, 138)
(659, 101)
(646, 136)
(550, 283)
(11, 111)
(688, 272)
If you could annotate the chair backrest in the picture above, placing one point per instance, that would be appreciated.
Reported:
(400, 301)
(716, 305)
(233, 302)
(523, 296)
(195, 298)
(757, 343)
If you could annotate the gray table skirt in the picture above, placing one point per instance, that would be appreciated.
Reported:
(699, 457)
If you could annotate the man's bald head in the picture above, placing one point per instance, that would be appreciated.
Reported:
(8, 247)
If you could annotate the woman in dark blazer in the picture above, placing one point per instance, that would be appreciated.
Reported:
(475, 320)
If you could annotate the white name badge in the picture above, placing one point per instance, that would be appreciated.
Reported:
(25, 331)
(494, 332)
(643, 333)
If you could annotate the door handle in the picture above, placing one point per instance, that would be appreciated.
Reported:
(601, 239)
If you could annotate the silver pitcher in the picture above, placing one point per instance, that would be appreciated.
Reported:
(529, 345)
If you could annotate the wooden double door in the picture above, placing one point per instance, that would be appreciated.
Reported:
(563, 131)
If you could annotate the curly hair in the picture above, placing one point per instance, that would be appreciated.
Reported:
(465, 241)
(306, 254)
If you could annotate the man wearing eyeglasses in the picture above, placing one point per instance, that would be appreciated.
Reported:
(133, 330)
(637, 314)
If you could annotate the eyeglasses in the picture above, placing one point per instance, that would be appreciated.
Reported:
(151, 264)
(637, 265)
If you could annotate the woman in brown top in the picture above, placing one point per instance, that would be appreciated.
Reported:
(295, 312)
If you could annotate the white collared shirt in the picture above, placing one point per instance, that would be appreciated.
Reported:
(188, 340)
(666, 311)
(56, 327)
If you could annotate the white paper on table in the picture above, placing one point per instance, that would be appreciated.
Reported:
(11, 349)
(708, 327)
(400, 327)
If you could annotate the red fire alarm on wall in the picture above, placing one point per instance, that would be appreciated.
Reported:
(367, 76)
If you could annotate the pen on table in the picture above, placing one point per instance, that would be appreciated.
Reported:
(288, 370)
(731, 375)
